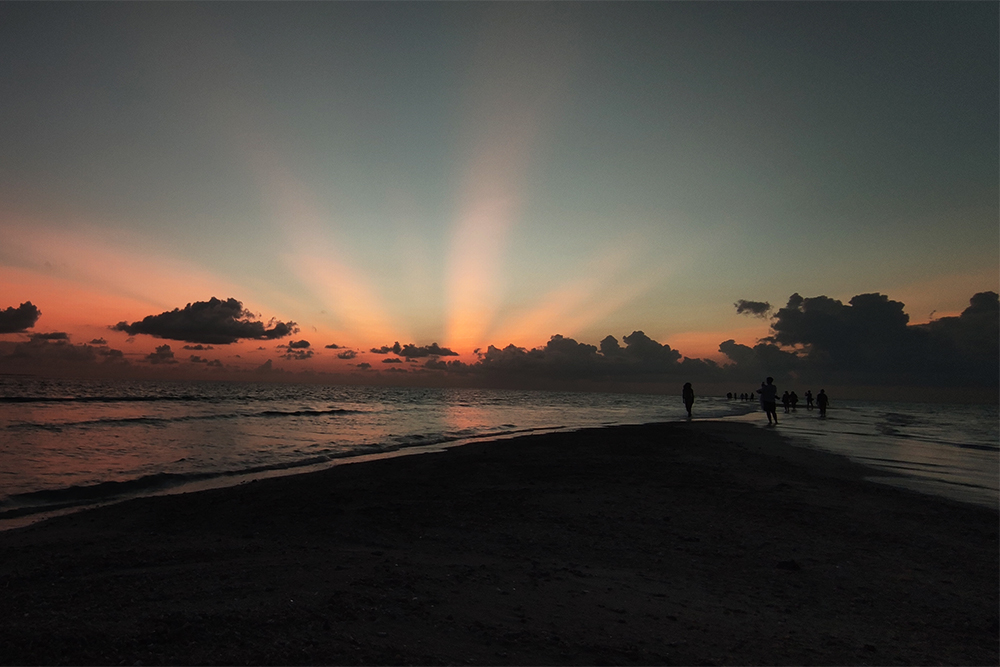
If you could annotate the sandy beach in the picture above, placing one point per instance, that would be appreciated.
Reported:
(691, 544)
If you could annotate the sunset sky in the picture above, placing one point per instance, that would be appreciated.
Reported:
(474, 174)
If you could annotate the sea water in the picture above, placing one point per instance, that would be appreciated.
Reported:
(69, 444)
(951, 450)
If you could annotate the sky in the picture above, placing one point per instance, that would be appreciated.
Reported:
(315, 186)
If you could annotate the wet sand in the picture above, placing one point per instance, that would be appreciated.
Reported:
(694, 544)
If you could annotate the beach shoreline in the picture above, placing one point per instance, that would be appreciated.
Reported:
(674, 543)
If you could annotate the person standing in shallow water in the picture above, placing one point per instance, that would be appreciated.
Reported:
(769, 399)
(821, 402)
(687, 393)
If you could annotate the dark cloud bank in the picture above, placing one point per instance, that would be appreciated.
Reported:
(814, 341)
(54, 354)
(212, 322)
(820, 341)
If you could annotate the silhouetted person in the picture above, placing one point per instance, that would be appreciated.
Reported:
(821, 402)
(793, 398)
(809, 399)
(688, 395)
(786, 401)
(769, 399)
(729, 396)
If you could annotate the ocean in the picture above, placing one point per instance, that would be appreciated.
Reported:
(68, 444)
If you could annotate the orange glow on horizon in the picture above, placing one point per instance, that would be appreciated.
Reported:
(705, 344)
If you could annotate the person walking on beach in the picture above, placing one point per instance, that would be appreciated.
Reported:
(786, 401)
(769, 399)
(687, 393)
(793, 398)
(822, 400)
(809, 399)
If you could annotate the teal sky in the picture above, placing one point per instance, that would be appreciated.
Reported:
(494, 173)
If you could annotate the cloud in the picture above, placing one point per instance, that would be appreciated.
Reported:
(818, 340)
(162, 355)
(53, 355)
(213, 322)
(867, 336)
(364, 365)
(869, 341)
(411, 351)
(759, 309)
(297, 354)
(56, 335)
(296, 345)
(42, 355)
(347, 354)
(433, 350)
(392, 360)
(198, 348)
(968, 345)
(16, 320)
(752, 364)
(332, 346)
(642, 359)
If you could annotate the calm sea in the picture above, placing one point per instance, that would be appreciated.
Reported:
(70, 444)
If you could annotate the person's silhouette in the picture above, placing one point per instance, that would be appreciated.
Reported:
(769, 399)
(687, 393)
(822, 400)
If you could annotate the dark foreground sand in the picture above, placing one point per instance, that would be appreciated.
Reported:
(663, 544)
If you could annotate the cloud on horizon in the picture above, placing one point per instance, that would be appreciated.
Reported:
(411, 351)
(162, 355)
(56, 356)
(212, 322)
(55, 335)
(562, 359)
(867, 341)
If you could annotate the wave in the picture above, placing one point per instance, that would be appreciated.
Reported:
(192, 398)
(155, 421)
(48, 500)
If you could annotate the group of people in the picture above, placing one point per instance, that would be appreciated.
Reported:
(768, 400)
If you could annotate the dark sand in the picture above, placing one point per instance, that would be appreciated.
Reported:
(692, 544)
